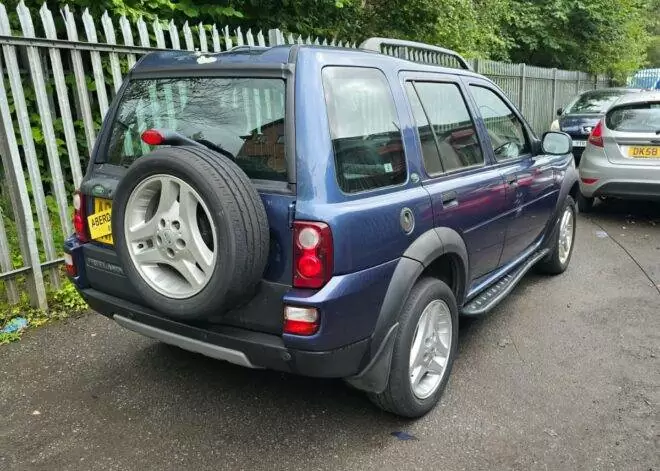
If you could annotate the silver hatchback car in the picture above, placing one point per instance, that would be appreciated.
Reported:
(622, 156)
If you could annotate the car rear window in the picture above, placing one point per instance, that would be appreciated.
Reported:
(244, 116)
(638, 117)
(364, 128)
(595, 102)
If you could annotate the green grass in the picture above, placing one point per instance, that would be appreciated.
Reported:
(62, 303)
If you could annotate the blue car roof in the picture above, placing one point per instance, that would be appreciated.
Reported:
(254, 56)
(237, 55)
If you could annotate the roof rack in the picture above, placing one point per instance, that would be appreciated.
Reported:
(416, 52)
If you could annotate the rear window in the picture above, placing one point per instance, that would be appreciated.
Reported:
(594, 102)
(364, 128)
(638, 117)
(244, 116)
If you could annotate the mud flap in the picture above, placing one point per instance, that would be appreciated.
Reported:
(375, 375)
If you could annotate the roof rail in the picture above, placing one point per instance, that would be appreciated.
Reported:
(416, 52)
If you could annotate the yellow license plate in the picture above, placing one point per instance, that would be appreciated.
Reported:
(99, 223)
(644, 152)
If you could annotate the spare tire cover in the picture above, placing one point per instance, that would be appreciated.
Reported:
(190, 231)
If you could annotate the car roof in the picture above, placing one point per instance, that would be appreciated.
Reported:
(622, 90)
(175, 59)
(255, 56)
(640, 97)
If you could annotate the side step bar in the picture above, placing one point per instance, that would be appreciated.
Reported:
(492, 296)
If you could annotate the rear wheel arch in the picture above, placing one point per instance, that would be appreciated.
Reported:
(449, 268)
(440, 253)
(455, 252)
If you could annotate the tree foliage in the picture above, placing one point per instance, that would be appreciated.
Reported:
(653, 51)
(601, 36)
(608, 36)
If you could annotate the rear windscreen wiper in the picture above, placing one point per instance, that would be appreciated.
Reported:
(173, 138)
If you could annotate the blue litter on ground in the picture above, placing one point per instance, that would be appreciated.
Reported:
(601, 234)
(403, 436)
(15, 325)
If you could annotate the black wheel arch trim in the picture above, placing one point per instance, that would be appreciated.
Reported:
(569, 181)
(427, 248)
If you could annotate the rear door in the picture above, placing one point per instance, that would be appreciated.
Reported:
(467, 194)
(632, 134)
(245, 116)
(529, 177)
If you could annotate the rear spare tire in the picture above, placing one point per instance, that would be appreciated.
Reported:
(190, 231)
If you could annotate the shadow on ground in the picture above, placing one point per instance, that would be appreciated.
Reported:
(616, 210)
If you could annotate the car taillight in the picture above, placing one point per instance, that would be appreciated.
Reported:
(596, 136)
(589, 181)
(301, 320)
(312, 254)
(70, 267)
(79, 219)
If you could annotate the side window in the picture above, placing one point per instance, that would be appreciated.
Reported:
(446, 130)
(506, 131)
(364, 129)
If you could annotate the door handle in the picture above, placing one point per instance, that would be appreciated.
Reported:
(450, 198)
(512, 180)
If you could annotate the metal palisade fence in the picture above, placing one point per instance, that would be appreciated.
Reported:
(56, 89)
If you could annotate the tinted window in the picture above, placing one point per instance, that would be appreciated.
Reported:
(638, 117)
(244, 116)
(506, 131)
(446, 130)
(364, 129)
(594, 102)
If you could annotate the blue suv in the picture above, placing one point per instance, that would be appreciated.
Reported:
(322, 211)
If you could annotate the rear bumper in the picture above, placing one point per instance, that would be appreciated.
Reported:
(240, 346)
(349, 304)
(250, 334)
(617, 180)
(627, 189)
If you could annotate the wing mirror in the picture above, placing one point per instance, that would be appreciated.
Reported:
(560, 111)
(557, 143)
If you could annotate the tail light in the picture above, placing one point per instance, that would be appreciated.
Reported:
(79, 216)
(301, 320)
(70, 266)
(312, 254)
(596, 136)
(589, 181)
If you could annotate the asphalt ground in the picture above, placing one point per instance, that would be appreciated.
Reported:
(564, 374)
